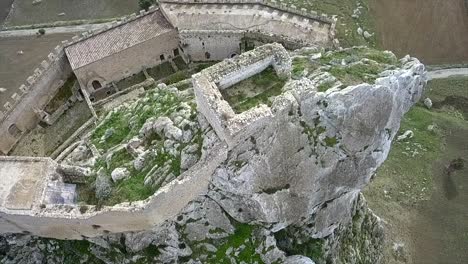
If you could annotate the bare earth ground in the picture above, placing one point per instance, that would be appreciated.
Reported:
(434, 31)
(25, 13)
(42, 142)
(423, 207)
(5, 6)
(15, 68)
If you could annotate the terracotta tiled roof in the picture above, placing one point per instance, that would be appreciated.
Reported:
(117, 39)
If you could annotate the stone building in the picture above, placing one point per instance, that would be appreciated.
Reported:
(123, 50)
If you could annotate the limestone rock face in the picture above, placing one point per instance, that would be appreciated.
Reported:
(319, 150)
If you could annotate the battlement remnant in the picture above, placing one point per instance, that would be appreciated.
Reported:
(207, 84)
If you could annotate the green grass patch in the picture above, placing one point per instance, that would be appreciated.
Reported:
(177, 77)
(131, 80)
(357, 73)
(346, 26)
(310, 247)
(408, 177)
(62, 95)
(258, 89)
(160, 71)
(180, 63)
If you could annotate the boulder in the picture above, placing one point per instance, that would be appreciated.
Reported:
(407, 135)
(173, 132)
(120, 174)
(428, 103)
(103, 185)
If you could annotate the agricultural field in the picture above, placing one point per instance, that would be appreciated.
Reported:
(420, 190)
(5, 6)
(433, 31)
(24, 12)
(15, 67)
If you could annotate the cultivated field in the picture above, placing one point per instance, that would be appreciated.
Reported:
(25, 13)
(15, 68)
(4, 10)
(434, 31)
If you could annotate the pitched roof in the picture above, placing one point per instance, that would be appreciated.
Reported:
(117, 39)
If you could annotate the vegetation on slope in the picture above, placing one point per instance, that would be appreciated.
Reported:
(413, 184)
(347, 25)
(163, 159)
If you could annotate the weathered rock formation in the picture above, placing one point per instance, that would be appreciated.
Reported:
(289, 192)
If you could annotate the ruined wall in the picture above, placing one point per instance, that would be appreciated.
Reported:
(129, 61)
(67, 222)
(228, 125)
(35, 94)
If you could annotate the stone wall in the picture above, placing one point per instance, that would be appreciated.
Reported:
(35, 94)
(67, 222)
(229, 126)
(209, 45)
(214, 29)
(129, 61)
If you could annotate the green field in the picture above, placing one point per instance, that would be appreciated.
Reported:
(413, 191)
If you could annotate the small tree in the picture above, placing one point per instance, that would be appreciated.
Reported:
(145, 4)
(41, 31)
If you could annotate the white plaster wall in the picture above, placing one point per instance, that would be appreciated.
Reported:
(245, 73)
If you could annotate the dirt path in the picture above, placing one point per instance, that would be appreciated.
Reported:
(52, 30)
(435, 31)
(445, 73)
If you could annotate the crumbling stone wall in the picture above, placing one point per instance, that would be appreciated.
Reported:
(208, 83)
(35, 94)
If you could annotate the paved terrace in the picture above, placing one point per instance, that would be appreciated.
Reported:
(23, 181)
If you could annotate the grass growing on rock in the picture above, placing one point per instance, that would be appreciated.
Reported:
(160, 163)
(349, 66)
(242, 241)
(346, 26)
(258, 89)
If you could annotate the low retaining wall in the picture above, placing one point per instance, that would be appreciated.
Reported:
(67, 222)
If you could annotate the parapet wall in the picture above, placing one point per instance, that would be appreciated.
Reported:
(78, 222)
(18, 115)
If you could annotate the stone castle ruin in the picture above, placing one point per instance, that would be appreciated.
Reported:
(193, 30)
(303, 157)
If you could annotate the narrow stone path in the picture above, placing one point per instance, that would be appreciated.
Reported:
(445, 73)
(52, 30)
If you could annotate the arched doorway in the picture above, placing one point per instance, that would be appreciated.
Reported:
(14, 131)
(96, 84)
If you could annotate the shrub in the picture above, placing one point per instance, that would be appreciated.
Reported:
(41, 31)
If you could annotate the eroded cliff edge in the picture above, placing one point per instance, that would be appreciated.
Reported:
(289, 193)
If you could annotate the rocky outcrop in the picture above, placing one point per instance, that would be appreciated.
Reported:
(290, 191)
